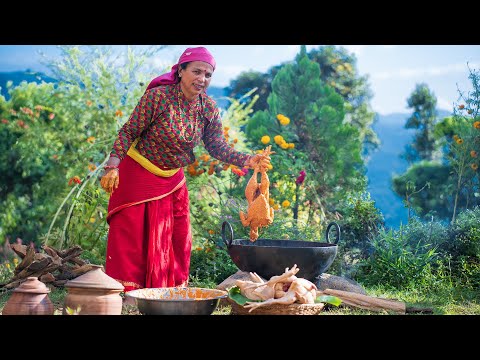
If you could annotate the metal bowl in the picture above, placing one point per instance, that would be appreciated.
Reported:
(270, 257)
(177, 300)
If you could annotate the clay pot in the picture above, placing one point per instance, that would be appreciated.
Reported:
(30, 298)
(94, 293)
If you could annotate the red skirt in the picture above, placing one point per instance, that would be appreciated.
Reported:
(150, 238)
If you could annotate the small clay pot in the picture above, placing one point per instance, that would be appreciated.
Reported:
(94, 293)
(30, 298)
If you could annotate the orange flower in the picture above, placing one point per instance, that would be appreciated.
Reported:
(89, 103)
(473, 153)
(51, 116)
(74, 179)
(476, 124)
(118, 113)
(474, 167)
(55, 156)
(285, 203)
(459, 141)
(226, 128)
(91, 139)
(91, 167)
(265, 140)
(211, 232)
(461, 106)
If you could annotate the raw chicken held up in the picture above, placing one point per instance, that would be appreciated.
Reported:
(259, 212)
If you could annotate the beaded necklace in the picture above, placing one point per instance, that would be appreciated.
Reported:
(191, 114)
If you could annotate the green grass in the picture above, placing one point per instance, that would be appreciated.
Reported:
(456, 301)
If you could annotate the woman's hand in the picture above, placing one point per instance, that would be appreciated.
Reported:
(110, 180)
(262, 159)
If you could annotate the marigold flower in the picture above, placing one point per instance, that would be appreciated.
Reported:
(211, 232)
(459, 141)
(91, 167)
(284, 145)
(285, 203)
(92, 220)
(265, 139)
(276, 207)
(235, 140)
(226, 128)
(476, 124)
(271, 202)
(7, 265)
(455, 137)
(91, 139)
(279, 140)
(473, 153)
(284, 120)
(74, 179)
(198, 249)
(239, 172)
(88, 102)
(291, 146)
(474, 167)
(461, 106)
(51, 116)
(118, 113)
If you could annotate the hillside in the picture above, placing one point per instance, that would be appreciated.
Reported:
(386, 162)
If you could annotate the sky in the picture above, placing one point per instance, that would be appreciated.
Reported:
(393, 70)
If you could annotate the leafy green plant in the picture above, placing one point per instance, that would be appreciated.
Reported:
(396, 262)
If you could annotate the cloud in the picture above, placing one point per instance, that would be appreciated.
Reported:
(356, 49)
(445, 104)
(410, 73)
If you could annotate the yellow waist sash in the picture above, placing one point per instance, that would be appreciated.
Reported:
(145, 163)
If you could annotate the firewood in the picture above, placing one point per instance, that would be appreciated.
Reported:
(27, 260)
(50, 251)
(82, 270)
(40, 264)
(47, 278)
(366, 302)
(20, 250)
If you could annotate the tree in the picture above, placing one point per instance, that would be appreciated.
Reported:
(338, 70)
(424, 117)
(306, 121)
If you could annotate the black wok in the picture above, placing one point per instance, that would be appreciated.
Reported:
(270, 257)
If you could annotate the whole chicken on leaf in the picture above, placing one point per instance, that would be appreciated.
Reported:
(259, 212)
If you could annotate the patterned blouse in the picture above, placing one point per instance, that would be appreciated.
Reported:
(169, 127)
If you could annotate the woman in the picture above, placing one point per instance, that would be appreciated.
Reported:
(150, 238)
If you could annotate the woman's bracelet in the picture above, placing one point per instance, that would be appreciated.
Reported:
(106, 167)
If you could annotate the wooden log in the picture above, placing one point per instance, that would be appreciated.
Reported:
(19, 249)
(366, 302)
(27, 260)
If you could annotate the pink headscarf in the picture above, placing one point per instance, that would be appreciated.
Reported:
(190, 54)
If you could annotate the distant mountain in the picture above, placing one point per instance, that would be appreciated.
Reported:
(386, 162)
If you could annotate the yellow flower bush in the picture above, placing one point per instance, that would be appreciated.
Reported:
(286, 203)
(283, 119)
(265, 139)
